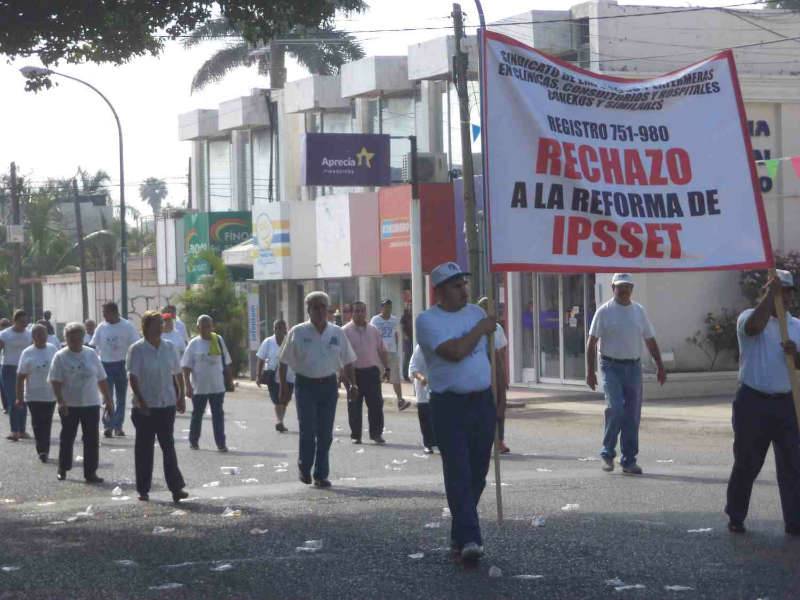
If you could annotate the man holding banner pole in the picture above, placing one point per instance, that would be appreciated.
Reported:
(763, 410)
(453, 338)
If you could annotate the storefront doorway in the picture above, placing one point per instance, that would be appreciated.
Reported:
(556, 311)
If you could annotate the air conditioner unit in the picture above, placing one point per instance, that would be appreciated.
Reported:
(432, 167)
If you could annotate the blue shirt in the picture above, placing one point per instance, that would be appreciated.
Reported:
(762, 365)
(471, 374)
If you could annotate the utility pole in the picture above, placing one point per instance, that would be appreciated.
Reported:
(16, 270)
(81, 254)
(470, 212)
(189, 185)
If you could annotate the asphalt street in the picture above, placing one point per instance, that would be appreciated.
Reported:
(570, 530)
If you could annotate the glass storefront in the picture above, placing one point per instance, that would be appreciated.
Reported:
(554, 314)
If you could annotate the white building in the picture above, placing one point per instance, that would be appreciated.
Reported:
(239, 162)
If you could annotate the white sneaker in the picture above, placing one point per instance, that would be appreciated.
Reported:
(471, 551)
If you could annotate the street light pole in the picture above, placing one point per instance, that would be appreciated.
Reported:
(123, 238)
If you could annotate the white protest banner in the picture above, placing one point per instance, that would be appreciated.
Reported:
(591, 173)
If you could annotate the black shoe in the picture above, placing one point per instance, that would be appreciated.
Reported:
(194, 446)
(280, 428)
(108, 433)
(356, 440)
(305, 478)
(179, 495)
(119, 433)
(94, 479)
(144, 497)
(43, 456)
(223, 448)
(608, 463)
(378, 440)
(793, 530)
(427, 450)
(736, 527)
(61, 475)
(632, 469)
(322, 483)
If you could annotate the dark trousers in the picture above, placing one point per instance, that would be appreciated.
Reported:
(759, 420)
(464, 426)
(199, 402)
(89, 419)
(369, 391)
(316, 410)
(426, 424)
(159, 423)
(3, 391)
(42, 422)
(408, 350)
(17, 415)
(118, 387)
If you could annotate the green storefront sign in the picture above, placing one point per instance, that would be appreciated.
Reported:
(217, 230)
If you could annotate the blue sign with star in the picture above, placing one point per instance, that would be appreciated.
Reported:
(346, 159)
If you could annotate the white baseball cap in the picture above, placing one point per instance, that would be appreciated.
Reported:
(445, 272)
(787, 279)
(622, 278)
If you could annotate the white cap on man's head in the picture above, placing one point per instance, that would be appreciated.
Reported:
(622, 278)
(445, 272)
(787, 279)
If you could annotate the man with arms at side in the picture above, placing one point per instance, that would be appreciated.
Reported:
(267, 371)
(452, 335)
(389, 326)
(620, 325)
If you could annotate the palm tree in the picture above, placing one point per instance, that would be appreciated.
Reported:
(47, 245)
(153, 191)
(326, 50)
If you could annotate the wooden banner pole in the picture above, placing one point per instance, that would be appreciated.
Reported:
(780, 310)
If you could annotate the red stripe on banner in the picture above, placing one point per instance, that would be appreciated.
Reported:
(547, 268)
(762, 217)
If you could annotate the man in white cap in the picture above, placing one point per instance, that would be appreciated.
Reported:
(452, 336)
(763, 411)
(389, 327)
(621, 324)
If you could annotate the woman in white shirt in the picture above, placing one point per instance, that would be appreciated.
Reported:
(267, 371)
(12, 342)
(34, 390)
(76, 374)
(205, 363)
(171, 333)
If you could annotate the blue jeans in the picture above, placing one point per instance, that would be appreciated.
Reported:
(623, 391)
(16, 415)
(316, 410)
(118, 387)
(464, 427)
(199, 402)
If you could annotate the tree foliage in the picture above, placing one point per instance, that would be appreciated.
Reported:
(153, 190)
(100, 31)
(216, 296)
(752, 282)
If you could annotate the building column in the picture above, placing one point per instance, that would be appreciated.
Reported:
(199, 176)
(428, 117)
(239, 170)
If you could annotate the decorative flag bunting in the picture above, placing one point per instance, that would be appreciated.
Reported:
(796, 165)
(772, 165)
(476, 132)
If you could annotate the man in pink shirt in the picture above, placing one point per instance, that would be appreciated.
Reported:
(371, 357)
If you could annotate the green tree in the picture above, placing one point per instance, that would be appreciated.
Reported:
(216, 296)
(322, 50)
(153, 191)
(100, 31)
(47, 248)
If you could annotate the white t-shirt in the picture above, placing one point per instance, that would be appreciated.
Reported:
(87, 339)
(35, 363)
(181, 327)
(154, 369)
(315, 354)
(53, 339)
(207, 377)
(269, 352)
(112, 340)
(417, 365)
(79, 373)
(388, 328)
(178, 341)
(621, 329)
(762, 365)
(14, 342)
(500, 340)
(436, 326)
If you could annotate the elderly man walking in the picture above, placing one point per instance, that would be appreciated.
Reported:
(620, 324)
(316, 350)
(372, 359)
(763, 410)
(452, 335)
(76, 373)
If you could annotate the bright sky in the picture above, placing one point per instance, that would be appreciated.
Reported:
(51, 133)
